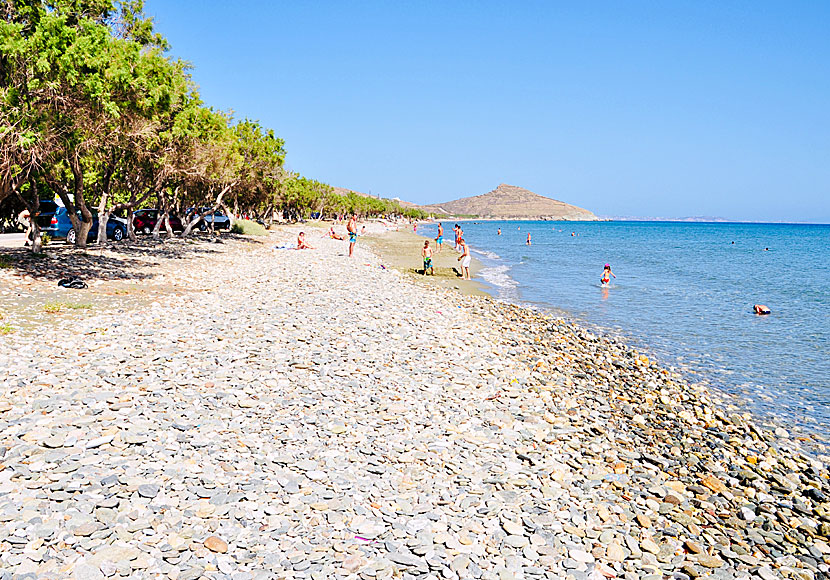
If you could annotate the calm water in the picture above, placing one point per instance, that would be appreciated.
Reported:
(684, 292)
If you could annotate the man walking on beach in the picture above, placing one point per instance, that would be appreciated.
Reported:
(351, 227)
(439, 241)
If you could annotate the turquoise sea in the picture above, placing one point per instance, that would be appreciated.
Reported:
(684, 293)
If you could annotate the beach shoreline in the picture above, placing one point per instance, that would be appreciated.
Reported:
(332, 413)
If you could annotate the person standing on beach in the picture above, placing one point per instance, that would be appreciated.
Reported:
(426, 253)
(465, 259)
(351, 227)
(439, 241)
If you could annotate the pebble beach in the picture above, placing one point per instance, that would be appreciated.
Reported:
(248, 412)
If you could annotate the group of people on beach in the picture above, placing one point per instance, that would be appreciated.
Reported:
(463, 249)
(460, 246)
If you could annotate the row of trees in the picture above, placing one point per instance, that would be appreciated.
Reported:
(94, 111)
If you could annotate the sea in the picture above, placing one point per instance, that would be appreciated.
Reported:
(684, 294)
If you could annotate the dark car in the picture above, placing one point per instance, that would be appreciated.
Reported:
(54, 221)
(144, 221)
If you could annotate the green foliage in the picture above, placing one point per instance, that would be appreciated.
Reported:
(56, 307)
(248, 228)
(5, 262)
(45, 239)
(94, 110)
(6, 329)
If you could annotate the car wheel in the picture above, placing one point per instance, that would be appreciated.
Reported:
(71, 237)
(118, 234)
(147, 230)
(203, 227)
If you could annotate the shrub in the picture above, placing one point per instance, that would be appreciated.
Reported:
(5, 262)
(45, 239)
(248, 228)
(6, 329)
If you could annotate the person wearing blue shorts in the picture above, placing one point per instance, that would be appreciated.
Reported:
(351, 227)
(440, 239)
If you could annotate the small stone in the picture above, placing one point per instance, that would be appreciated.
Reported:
(581, 556)
(713, 483)
(148, 490)
(55, 441)
(648, 545)
(216, 544)
(512, 528)
(615, 552)
(693, 547)
(409, 560)
(644, 520)
(85, 530)
(516, 541)
(353, 563)
(708, 561)
(84, 571)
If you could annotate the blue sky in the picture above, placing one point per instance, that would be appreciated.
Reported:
(624, 108)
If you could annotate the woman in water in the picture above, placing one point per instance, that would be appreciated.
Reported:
(606, 275)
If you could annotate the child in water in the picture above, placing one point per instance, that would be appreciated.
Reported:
(606, 275)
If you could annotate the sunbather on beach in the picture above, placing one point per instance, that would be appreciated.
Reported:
(426, 252)
(334, 235)
(465, 259)
(301, 243)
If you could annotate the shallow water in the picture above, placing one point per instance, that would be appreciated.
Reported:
(684, 291)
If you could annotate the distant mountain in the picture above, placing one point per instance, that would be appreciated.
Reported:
(511, 202)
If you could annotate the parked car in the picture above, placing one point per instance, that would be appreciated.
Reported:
(218, 218)
(54, 221)
(144, 221)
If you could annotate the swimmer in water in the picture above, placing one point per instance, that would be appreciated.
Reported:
(527, 243)
(606, 275)
(499, 232)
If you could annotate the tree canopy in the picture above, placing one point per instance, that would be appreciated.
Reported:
(94, 110)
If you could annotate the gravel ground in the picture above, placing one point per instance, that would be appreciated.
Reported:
(297, 414)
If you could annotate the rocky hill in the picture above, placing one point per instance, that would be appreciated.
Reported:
(511, 202)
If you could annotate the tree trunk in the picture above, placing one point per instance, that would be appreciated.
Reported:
(162, 203)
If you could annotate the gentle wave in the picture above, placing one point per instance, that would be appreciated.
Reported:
(486, 253)
(499, 277)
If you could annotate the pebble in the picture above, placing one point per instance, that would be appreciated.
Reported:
(215, 544)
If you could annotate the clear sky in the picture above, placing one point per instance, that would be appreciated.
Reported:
(625, 108)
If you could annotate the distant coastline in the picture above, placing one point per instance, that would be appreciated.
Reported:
(704, 220)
